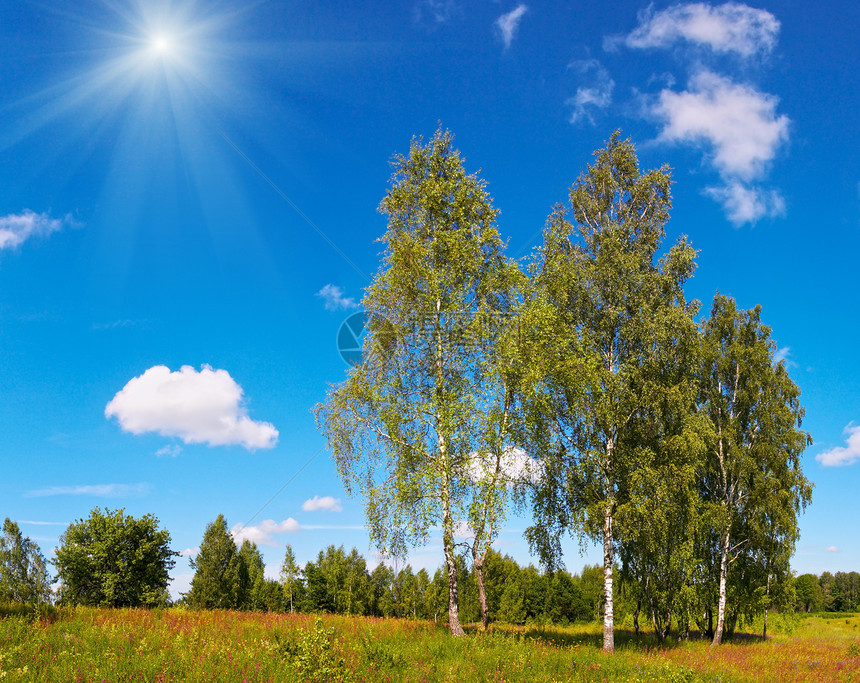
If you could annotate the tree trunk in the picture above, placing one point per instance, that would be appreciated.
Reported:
(448, 543)
(482, 594)
(608, 625)
(724, 571)
(636, 615)
(766, 607)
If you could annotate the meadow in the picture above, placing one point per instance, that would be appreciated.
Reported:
(112, 645)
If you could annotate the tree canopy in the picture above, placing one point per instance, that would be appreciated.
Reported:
(112, 559)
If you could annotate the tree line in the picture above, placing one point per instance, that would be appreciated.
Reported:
(231, 576)
(579, 381)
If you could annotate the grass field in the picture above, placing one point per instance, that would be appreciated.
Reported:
(108, 646)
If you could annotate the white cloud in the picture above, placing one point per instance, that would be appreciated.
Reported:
(507, 24)
(782, 354)
(169, 451)
(594, 94)
(334, 299)
(747, 203)
(17, 228)
(731, 27)
(189, 552)
(97, 490)
(843, 455)
(737, 121)
(325, 503)
(832, 549)
(197, 407)
(742, 130)
(262, 533)
(517, 466)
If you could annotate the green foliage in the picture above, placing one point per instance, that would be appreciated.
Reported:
(422, 423)
(23, 572)
(316, 659)
(617, 334)
(112, 559)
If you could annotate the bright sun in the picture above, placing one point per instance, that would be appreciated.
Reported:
(161, 44)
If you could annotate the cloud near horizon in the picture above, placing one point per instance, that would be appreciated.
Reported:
(322, 503)
(95, 490)
(197, 407)
(262, 533)
(15, 229)
(509, 23)
(843, 455)
(731, 27)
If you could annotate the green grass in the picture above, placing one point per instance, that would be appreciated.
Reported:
(108, 646)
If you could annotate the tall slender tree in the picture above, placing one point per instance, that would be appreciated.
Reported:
(753, 485)
(23, 571)
(290, 575)
(404, 425)
(612, 303)
(215, 584)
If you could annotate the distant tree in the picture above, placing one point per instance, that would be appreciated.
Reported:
(251, 577)
(216, 581)
(290, 576)
(23, 572)
(114, 560)
(753, 485)
(408, 420)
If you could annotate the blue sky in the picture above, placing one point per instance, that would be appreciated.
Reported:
(174, 175)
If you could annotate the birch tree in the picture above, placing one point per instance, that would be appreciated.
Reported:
(753, 484)
(404, 425)
(613, 303)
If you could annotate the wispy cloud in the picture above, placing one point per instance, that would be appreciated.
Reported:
(832, 549)
(169, 451)
(782, 354)
(731, 27)
(595, 92)
(334, 299)
(437, 11)
(843, 455)
(95, 490)
(509, 23)
(189, 552)
(262, 533)
(197, 407)
(741, 130)
(322, 503)
(35, 523)
(16, 228)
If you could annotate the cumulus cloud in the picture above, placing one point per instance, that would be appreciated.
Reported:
(507, 24)
(262, 533)
(197, 407)
(96, 490)
(731, 27)
(517, 466)
(189, 552)
(15, 229)
(843, 455)
(595, 92)
(334, 300)
(747, 203)
(742, 131)
(738, 122)
(325, 503)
